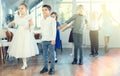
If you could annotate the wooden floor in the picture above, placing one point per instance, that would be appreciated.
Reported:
(106, 64)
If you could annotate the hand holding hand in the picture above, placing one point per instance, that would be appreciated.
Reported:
(59, 28)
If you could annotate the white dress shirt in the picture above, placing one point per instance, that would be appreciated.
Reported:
(94, 25)
(48, 29)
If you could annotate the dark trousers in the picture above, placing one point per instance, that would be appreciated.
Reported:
(94, 41)
(78, 40)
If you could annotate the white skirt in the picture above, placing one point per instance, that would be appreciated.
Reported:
(23, 44)
(107, 30)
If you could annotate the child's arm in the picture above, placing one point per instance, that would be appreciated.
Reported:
(68, 21)
(12, 22)
(115, 20)
(53, 32)
(62, 26)
(31, 24)
(10, 25)
(67, 28)
(86, 23)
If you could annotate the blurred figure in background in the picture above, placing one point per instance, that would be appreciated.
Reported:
(94, 28)
(78, 26)
(107, 25)
(58, 41)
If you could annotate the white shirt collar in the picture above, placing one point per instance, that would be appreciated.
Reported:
(46, 18)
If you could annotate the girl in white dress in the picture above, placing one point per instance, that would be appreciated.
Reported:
(23, 43)
(107, 24)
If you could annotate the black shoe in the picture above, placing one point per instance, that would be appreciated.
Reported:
(44, 70)
(80, 61)
(56, 61)
(91, 54)
(51, 71)
(96, 54)
(74, 61)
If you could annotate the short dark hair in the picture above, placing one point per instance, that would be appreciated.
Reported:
(47, 6)
(24, 4)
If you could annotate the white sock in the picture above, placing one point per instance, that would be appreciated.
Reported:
(24, 61)
(55, 55)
